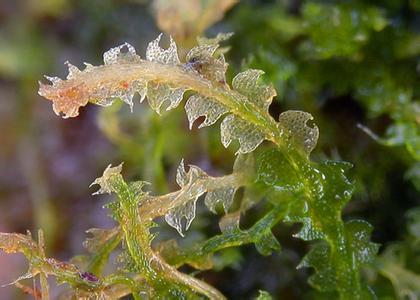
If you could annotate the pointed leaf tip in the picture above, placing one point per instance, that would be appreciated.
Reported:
(104, 180)
(165, 56)
(116, 55)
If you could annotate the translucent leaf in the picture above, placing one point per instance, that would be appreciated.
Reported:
(165, 56)
(337, 263)
(99, 238)
(309, 230)
(88, 67)
(68, 96)
(247, 83)
(319, 215)
(189, 195)
(197, 106)
(194, 184)
(158, 93)
(217, 70)
(184, 178)
(73, 70)
(195, 173)
(104, 181)
(223, 195)
(294, 124)
(181, 175)
(202, 52)
(230, 223)
(116, 55)
(247, 134)
(244, 163)
(174, 216)
(53, 79)
(124, 91)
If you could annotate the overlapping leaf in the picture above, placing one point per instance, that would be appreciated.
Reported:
(194, 184)
(163, 79)
(321, 191)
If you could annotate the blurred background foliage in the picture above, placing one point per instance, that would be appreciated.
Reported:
(354, 65)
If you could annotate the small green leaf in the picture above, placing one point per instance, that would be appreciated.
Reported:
(267, 243)
(275, 171)
(319, 258)
(340, 30)
(358, 234)
(263, 295)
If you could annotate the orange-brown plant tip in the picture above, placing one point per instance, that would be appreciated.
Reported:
(66, 100)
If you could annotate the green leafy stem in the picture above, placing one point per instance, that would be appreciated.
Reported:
(321, 190)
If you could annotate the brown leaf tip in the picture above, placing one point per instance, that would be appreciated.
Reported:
(67, 98)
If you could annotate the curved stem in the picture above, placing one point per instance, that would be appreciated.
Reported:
(227, 240)
(85, 86)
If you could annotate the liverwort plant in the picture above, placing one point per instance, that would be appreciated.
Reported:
(298, 189)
